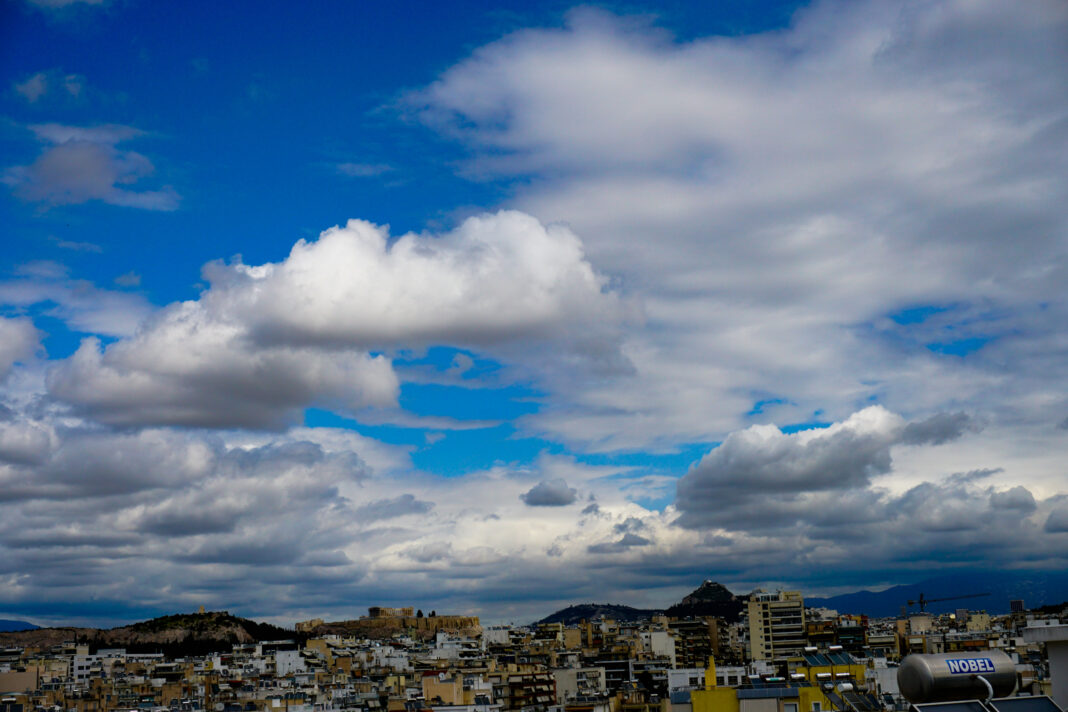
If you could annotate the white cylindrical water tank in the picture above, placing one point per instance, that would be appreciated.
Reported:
(954, 676)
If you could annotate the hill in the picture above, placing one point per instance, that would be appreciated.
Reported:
(594, 611)
(709, 599)
(175, 635)
(1036, 589)
(6, 625)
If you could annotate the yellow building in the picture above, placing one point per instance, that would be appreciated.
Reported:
(807, 689)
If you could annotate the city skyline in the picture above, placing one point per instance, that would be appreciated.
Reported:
(307, 311)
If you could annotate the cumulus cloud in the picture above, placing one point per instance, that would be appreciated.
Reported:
(19, 341)
(264, 342)
(79, 164)
(762, 461)
(761, 477)
(177, 373)
(550, 493)
(495, 277)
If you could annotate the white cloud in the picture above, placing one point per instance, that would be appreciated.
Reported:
(265, 342)
(80, 304)
(494, 278)
(19, 341)
(184, 369)
(82, 164)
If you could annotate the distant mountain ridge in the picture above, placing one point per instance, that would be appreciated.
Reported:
(1034, 588)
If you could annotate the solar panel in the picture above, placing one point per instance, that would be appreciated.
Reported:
(1024, 704)
(962, 706)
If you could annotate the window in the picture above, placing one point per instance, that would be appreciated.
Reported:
(789, 707)
(816, 707)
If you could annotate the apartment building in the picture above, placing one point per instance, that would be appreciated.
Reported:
(776, 625)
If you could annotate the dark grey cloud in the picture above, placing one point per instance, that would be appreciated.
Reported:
(1017, 498)
(550, 493)
(627, 541)
(753, 464)
(763, 475)
(1057, 521)
(391, 508)
(938, 429)
(629, 525)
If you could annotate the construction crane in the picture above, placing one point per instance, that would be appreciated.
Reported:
(924, 601)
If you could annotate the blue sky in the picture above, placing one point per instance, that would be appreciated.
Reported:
(443, 295)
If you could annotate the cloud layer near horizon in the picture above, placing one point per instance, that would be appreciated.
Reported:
(167, 519)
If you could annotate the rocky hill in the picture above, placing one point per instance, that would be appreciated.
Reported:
(176, 635)
(709, 599)
(595, 611)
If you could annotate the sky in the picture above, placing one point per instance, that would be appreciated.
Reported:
(494, 309)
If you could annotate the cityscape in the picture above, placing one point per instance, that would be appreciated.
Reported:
(766, 650)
